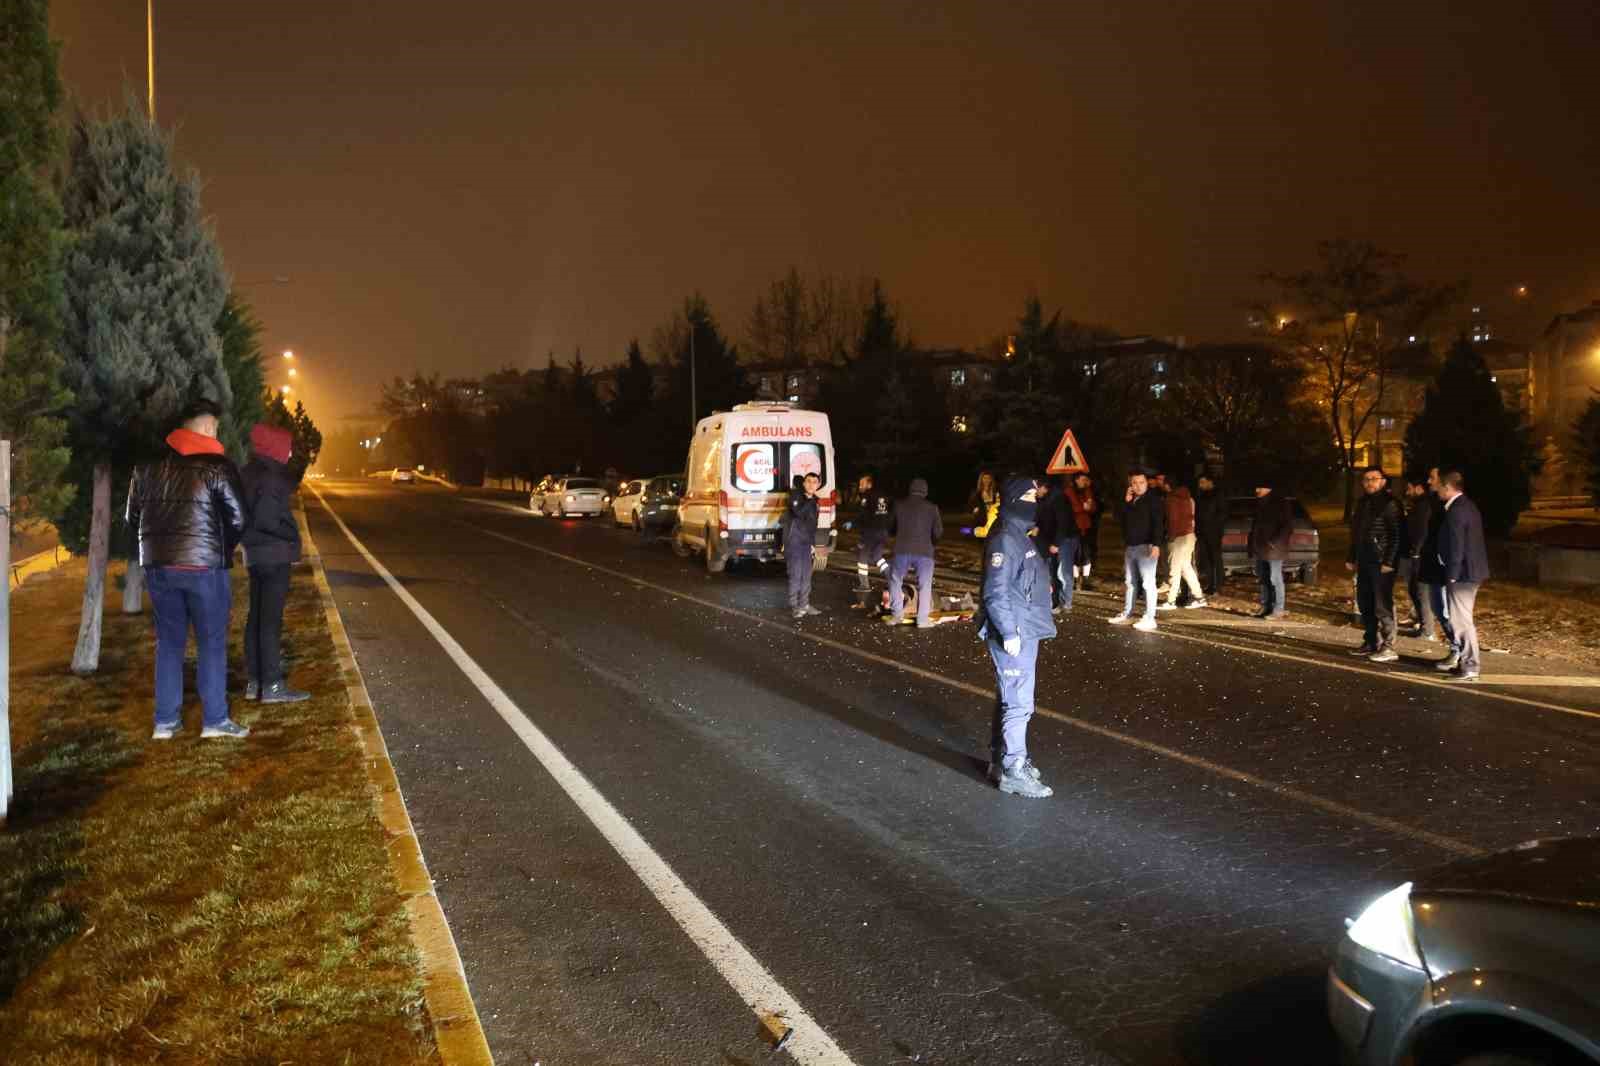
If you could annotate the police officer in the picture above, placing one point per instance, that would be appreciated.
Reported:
(799, 539)
(1014, 617)
(872, 526)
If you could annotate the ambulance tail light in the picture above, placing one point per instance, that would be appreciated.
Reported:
(722, 512)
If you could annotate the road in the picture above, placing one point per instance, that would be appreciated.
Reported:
(658, 810)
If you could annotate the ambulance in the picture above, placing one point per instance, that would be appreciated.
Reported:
(740, 466)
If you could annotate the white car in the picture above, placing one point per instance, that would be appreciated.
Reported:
(536, 496)
(574, 496)
(400, 475)
(625, 508)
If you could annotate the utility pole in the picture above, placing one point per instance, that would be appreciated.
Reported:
(694, 407)
(150, 51)
(5, 629)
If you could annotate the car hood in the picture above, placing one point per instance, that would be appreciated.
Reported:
(1565, 871)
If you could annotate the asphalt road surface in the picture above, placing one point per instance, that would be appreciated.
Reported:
(668, 823)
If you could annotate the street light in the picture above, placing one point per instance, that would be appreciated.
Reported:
(287, 354)
(293, 371)
(285, 390)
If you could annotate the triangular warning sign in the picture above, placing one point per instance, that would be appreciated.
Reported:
(1068, 457)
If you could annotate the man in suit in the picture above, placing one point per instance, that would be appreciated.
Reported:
(1465, 562)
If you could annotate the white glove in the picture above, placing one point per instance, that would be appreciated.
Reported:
(1012, 645)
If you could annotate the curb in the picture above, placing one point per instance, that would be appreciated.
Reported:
(37, 563)
(457, 1031)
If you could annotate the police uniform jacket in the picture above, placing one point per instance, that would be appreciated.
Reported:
(1016, 584)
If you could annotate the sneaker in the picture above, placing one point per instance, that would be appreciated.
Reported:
(252, 690)
(1277, 616)
(280, 692)
(1146, 625)
(164, 732)
(926, 625)
(1058, 611)
(808, 609)
(1119, 619)
(1461, 675)
(1448, 663)
(229, 728)
(1017, 781)
(1365, 649)
(798, 613)
(1431, 638)
(1194, 605)
(1167, 607)
(1384, 655)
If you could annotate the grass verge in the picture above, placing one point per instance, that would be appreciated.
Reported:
(193, 901)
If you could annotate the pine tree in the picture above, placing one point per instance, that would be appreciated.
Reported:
(32, 243)
(144, 288)
(1464, 423)
(239, 333)
(1587, 429)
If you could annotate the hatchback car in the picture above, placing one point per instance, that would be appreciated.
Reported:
(625, 508)
(658, 505)
(1491, 961)
(1305, 542)
(574, 496)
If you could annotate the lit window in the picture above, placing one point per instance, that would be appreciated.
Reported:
(794, 381)
(958, 424)
(1386, 422)
(958, 377)
(1161, 366)
(1158, 389)
(1411, 339)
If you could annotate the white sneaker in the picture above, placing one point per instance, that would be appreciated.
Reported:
(1195, 605)
(1167, 607)
(1119, 619)
(1147, 625)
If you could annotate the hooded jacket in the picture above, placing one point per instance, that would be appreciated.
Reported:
(273, 536)
(188, 507)
(916, 523)
(1016, 579)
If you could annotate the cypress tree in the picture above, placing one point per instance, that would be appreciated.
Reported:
(239, 333)
(1464, 423)
(32, 242)
(1587, 429)
(144, 288)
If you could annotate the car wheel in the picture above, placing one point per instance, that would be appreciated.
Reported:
(716, 562)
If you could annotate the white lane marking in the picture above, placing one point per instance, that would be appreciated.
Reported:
(1377, 821)
(760, 991)
(1536, 680)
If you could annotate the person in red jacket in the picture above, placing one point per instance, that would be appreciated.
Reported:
(1086, 511)
(1180, 549)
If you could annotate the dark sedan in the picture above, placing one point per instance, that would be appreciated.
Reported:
(658, 506)
(1305, 543)
(1492, 961)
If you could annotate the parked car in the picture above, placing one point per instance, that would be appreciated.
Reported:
(537, 493)
(574, 496)
(657, 512)
(1491, 961)
(625, 508)
(399, 475)
(1305, 542)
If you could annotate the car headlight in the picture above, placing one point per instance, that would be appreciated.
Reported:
(572, 499)
(1385, 927)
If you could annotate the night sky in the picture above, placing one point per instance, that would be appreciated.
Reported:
(458, 186)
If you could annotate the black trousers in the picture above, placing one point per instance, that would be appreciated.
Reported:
(1208, 561)
(263, 630)
(1375, 599)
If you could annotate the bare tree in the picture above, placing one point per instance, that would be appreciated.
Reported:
(783, 324)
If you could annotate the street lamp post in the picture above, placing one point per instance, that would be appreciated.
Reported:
(694, 407)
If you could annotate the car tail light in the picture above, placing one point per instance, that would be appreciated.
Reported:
(722, 511)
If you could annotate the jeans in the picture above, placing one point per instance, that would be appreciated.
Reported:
(263, 627)
(1181, 550)
(1138, 570)
(1410, 571)
(180, 599)
(1013, 706)
(897, 577)
(1066, 560)
(869, 556)
(1375, 600)
(1441, 610)
(799, 559)
(1270, 573)
(1462, 596)
(1208, 552)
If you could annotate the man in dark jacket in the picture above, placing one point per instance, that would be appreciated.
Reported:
(1375, 531)
(271, 547)
(188, 508)
(1420, 506)
(1210, 516)
(1270, 532)
(1144, 530)
(1059, 536)
(799, 543)
(872, 519)
(1429, 568)
(917, 525)
(1464, 559)
(1014, 618)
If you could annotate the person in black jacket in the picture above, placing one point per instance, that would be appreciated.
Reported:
(1464, 558)
(1059, 537)
(271, 547)
(1375, 532)
(800, 541)
(1271, 530)
(1014, 618)
(188, 509)
(1144, 530)
(872, 521)
(1210, 516)
(1420, 505)
(917, 525)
